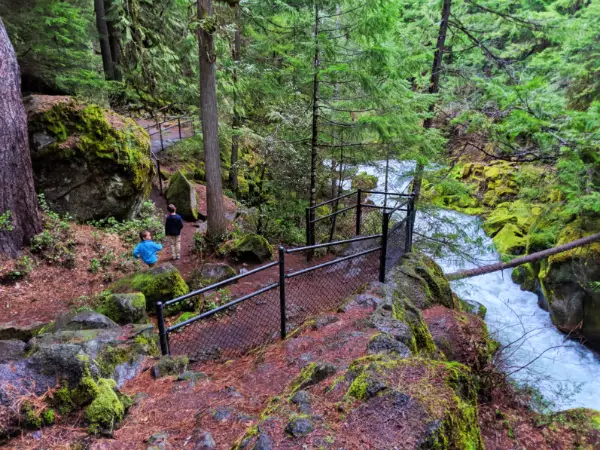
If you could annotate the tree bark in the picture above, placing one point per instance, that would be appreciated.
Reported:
(434, 87)
(315, 118)
(107, 61)
(524, 259)
(235, 140)
(215, 209)
(115, 44)
(17, 192)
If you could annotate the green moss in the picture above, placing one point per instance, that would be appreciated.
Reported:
(85, 392)
(404, 311)
(364, 181)
(29, 418)
(48, 416)
(125, 143)
(250, 247)
(110, 309)
(106, 410)
(183, 195)
(312, 374)
(61, 399)
(159, 284)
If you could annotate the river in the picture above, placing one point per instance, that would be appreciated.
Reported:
(566, 373)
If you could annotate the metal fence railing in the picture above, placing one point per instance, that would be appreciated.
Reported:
(281, 299)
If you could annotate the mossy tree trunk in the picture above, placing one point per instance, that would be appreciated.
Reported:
(524, 259)
(434, 88)
(17, 193)
(235, 140)
(315, 119)
(210, 126)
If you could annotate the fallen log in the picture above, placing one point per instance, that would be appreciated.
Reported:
(524, 259)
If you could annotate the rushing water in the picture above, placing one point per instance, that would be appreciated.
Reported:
(565, 372)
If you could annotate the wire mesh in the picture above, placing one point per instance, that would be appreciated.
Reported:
(396, 244)
(236, 329)
(324, 288)
(232, 332)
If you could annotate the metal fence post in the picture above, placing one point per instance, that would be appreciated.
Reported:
(384, 244)
(282, 291)
(310, 232)
(162, 147)
(162, 332)
(179, 126)
(160, 183)
(358, 211)
(410, 223)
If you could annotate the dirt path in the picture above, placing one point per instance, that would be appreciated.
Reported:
(170, 135)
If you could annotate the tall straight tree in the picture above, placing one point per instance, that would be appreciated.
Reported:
(434, 87)
(103, 36)
(235, 139)
(17, 194)
(314, 143)
(210, 122)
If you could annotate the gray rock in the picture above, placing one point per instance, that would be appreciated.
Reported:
(189, 375)
(126, 308)
(159, 441)
(383, 321)
(386, 343)
(210, 273)
(167, 365)
(12, 350)
(475, 308)
(324, 321)
(302, 400)
(263, 442)
(299, 426)
(84, 320)
(10, 330)
(318, 373)
(202, 440)
(221, 413)
(63, 361)
(183, 195)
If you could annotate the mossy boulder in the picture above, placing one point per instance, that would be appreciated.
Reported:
(566, 281)
(158, 284)
(364, 181)
(125, 308)
(248, 248)
(421, 280)
(88, 161)
(182, 194)
(210, 273)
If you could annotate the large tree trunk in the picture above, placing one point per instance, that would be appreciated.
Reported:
(17, 193)
(525, 259)
(107, 60)
(434, 87)
(210, 126)
(235, 140)
(115, 44)
(315, 119)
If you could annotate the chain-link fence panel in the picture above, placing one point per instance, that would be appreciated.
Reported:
(324, 287)
(396, 244)
(231, 331)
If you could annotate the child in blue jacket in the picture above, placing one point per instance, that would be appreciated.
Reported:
(147, 249)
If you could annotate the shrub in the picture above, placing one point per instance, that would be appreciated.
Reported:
(147, 219)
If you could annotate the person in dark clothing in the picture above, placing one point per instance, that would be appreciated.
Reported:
(173, 226)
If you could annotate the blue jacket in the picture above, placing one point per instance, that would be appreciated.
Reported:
(173, 225)
(147, 251)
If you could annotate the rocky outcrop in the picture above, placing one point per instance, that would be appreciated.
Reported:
(182, 194)
(84, 358)
(89, 162)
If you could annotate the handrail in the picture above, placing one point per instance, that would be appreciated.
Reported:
(333, 200)
(222, 307)
(220, 284)
(333, 214)
(329, 263)
(331, 244)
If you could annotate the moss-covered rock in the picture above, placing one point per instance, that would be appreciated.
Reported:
(525, 276)
(210, 273)
(88, 161)
(168, 365)
(364, 181)
(125, 308)
(422, 281)
(248, 248)
(182, 194)
(106, 409)
(158, 284)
